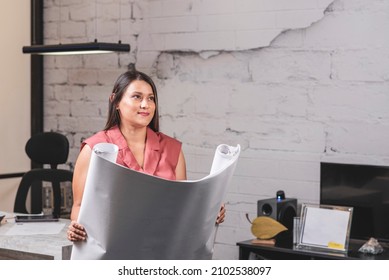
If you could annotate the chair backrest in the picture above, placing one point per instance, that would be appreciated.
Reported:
(55, 176)
(45, 148)
(48, 148)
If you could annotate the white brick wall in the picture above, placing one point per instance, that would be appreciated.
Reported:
(319, 92)
(223, 25)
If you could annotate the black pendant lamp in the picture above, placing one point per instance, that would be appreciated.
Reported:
(79, 48)
(94, 47)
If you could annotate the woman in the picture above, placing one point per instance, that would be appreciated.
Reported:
(133, 125)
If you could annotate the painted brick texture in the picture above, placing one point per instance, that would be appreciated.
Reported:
(293, 82)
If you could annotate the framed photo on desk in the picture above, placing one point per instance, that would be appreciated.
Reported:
(325, 227)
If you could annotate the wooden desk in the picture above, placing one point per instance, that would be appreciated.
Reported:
(34, 247)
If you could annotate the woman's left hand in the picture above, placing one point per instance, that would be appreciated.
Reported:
(76, 232)
(222, 214)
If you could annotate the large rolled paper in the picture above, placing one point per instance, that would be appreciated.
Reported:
(132, 215)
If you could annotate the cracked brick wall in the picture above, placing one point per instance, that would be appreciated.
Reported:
(293, 82)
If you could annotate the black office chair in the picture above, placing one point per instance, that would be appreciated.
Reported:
(45, 148)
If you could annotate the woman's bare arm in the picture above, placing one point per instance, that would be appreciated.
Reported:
(181, 167)
(76, 231)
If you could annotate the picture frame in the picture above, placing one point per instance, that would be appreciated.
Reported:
(324, 227)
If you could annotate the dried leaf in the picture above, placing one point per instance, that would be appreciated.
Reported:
(264, 227)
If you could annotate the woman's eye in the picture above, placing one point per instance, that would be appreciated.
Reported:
(136, 97)
(152, 98)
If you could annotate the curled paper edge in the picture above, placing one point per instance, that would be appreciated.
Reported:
(223, 154)
(107, 151)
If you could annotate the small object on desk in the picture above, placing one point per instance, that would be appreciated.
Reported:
(258, 241)
(372, 246)
(39, 218)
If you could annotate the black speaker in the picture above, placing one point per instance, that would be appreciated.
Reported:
(282, 210)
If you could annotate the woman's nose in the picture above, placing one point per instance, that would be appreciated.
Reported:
(144, 103)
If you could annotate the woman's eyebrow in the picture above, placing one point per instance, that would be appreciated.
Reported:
(139, 92)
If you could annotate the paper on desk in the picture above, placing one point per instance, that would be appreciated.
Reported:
(132, 215)
(35, 228)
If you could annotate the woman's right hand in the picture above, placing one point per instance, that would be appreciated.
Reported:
(76, 232)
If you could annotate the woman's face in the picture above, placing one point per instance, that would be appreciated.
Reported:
(137, 106)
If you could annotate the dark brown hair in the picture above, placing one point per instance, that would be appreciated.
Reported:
(121, 84)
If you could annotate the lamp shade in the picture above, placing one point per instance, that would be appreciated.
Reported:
(79, 48)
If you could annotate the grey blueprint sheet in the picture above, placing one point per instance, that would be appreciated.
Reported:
(132, 215)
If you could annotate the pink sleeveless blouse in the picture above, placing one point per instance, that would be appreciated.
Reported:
(161, 152)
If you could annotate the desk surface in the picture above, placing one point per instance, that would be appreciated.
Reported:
(287, 251)
(36, 246)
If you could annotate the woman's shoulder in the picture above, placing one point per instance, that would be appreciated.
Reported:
(166, 139)
(164, 143)
(168, 147)
(98, 137)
